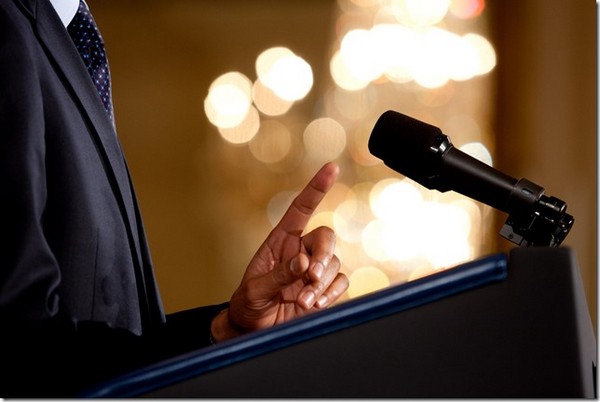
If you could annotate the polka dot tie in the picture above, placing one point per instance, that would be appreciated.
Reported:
(89, 43)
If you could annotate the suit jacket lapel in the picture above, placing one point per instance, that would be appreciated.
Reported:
(55, 38)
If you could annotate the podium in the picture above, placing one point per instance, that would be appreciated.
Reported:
(501, 326)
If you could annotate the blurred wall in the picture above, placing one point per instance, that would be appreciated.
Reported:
(546, 119)
(164, 55)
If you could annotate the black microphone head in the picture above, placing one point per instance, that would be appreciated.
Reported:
(409, 146)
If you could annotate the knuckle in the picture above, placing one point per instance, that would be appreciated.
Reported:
(325, 235)
(326, 231)
(301, 207)
(319, 287)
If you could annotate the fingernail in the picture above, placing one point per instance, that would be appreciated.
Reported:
(294, 267)
(322, 302)
(308, 298)
(318, 270)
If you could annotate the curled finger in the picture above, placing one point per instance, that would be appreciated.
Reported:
(334, 291)
(320, 245)
(316, 288)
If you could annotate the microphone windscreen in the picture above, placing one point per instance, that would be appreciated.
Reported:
(407, 146)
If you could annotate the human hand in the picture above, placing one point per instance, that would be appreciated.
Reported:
(290, 275)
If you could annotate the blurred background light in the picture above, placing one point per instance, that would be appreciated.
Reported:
(367, 280)
(324, 139)
(244, 130)
(268, 58)
(228, 100)
(466, 9)
(430, 56)
(272, 143)
(360, 55)
(477, 150)
(420, 13)
(486, 55)
(268, 102)
(344, 76)
(287, 75)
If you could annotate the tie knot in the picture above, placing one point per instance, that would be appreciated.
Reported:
(83, 29)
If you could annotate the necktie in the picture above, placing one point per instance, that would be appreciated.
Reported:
(89, 43)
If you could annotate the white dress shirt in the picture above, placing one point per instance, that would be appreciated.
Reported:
(66, 9)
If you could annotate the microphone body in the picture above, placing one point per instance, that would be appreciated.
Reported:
(423, 153)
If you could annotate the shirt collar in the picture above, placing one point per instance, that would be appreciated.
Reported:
(66, 9)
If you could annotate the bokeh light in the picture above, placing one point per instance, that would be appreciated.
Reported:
(486, 55)
(350, 219)
(289, 76)
(244, 131)
(366, 280)
(420, 13)
(272, 143)
(353, 105)
(229, 99)
(268, 102)
(324, 139)
(344, 76)
(466, 9)
(360, 55)
(427, 54)
(478, 151)
(267, 59)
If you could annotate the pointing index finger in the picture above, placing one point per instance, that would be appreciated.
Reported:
(304, 205)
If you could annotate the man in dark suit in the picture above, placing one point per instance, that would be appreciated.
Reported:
(78, 299)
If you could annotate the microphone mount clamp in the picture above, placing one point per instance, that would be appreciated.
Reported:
(536, 219)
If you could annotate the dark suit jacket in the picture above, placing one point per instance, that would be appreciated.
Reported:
(78, 297)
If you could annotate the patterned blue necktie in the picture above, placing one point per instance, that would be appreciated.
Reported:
(89, 43)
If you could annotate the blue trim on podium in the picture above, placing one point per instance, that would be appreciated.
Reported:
(360, 310)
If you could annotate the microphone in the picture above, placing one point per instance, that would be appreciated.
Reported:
(423, 153)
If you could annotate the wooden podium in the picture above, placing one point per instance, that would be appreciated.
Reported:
(515, 326)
